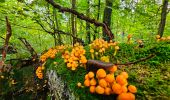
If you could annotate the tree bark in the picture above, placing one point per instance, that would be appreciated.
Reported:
(88, 24)
(98, 17)
(107, 16)
(73, 21)
(163, 18)
(57, 26)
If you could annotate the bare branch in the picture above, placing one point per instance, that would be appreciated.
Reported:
(29, 47)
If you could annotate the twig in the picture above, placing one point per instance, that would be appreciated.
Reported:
(137, 61)
(93, 65)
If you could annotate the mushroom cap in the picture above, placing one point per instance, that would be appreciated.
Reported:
(117, 89)
(113, 69)
(91, 50)
(126, 96)
(103, 83)
(79, 84)
(93, 81)
(107, 91)
(121, 80)
(91, 74)
(110, 78)
(132, 89)
(92, 89)
(124, 74)
(117, 47)
(87, 83)
(86, 76)
(168, 38)
(158, 36)
(129, 36)
(99, 90)
(124, 89)
(101, 73)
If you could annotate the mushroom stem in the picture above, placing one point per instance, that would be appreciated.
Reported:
(115, 52)
(92, 55)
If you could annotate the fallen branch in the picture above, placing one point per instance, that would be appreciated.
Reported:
(83, 17)
(93, 65)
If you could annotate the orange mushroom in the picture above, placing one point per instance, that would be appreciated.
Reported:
(92, 89)
(93, 82)
(158, 36)
(132, 89)
(86, 76)
(121, 80)
(124, 89)
(99, 90)
(126, 96)
(110, 78)
(103, 83)
(117, 89)
(87, 83)
(124, 74)
(113, 69)
(101, 73)
(107, 91)
(91, 74)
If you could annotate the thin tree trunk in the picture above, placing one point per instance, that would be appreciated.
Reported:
(163, 18)
(107, 16)
(55, 41)
(73, 21)
(87, 23)
(98, 16)
(57, 26)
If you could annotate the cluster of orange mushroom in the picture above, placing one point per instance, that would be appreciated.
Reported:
(49, 54)
(107, 84)
(75, 57)
(52, 52)
(39, 72)
(99, 46)
(159, 38)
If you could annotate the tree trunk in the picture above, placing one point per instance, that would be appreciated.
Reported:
(57, 26)
(163, 18)
(98, 16)
(87, 23)
(107, 16)
(73, 21)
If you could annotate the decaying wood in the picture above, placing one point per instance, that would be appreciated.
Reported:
(83, 17)
(93, 65)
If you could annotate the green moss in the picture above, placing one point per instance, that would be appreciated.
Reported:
(150, 76)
